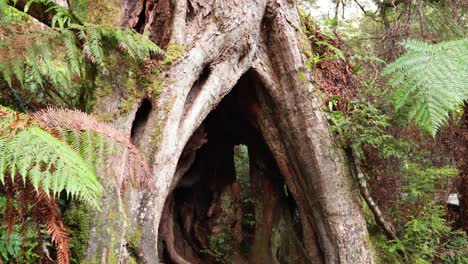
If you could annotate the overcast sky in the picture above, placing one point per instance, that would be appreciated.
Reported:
(323, 9)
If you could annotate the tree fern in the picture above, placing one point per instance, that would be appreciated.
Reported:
(29, 152)
(430, 81)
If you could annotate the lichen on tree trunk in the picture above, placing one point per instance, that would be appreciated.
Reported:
(257, 47)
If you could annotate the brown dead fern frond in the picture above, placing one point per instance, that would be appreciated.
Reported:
(46, 212)
(9, 215)
(136, 168)
(23, 203)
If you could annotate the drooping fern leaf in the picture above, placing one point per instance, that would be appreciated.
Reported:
(430, 81)
(35, 157)
(105, 148)
(29, 152)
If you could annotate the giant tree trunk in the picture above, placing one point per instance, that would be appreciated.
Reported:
(253, 51)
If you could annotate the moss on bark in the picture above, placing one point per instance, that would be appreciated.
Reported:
(76, 217)
(104, 12)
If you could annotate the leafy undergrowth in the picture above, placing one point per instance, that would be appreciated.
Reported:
(361, 115)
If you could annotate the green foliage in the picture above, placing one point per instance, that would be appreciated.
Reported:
(241, 165)
(421, 235)
(366, 125)
(43, 61)
(446, 21)
(220, 246)
(59, 59)
(11, 244)
(336, 52)
(136, 46)
(10, 14)
(430, 81)
(454, 249)
(9, 248)
(36, 156)
(424, 233)
(62, 161)
(428, 236)
(420, 182)
(93, 147)
(102, 146)
(76, 217)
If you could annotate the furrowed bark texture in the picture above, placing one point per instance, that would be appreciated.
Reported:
(224, 40)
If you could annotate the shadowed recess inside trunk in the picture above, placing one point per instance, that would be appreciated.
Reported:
(232, 206)
(141, 117)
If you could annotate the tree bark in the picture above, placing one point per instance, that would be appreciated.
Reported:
(462, 164)
(224, 40)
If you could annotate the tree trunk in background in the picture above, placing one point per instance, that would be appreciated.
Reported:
(462, 164)
(257, 47)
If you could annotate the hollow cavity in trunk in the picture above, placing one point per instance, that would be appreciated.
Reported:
(232, 205)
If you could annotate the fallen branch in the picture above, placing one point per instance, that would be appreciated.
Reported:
(357, 172)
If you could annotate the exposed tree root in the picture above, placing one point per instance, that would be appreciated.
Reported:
(168, 232)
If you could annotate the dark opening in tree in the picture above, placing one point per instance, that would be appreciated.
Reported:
(232, 204)
(141, 117)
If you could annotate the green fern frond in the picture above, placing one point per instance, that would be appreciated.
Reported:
(430, 81)
(57, 57)
(93, 45)
(47, 163)
(62, 16)
(102, 146)
(72, 54)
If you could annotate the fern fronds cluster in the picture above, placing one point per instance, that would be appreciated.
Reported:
(58, 150)
(136, 46)
(23, 204)
(430, 81)
(32, 161)
(29, 152)
(98, 143)
(67, 160)
(58, 56)
(55, 60)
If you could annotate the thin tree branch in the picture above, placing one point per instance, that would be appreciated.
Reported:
(366, 13)
(72, 14)
(386, 226)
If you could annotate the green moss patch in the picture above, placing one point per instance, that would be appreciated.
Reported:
(76, 217)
